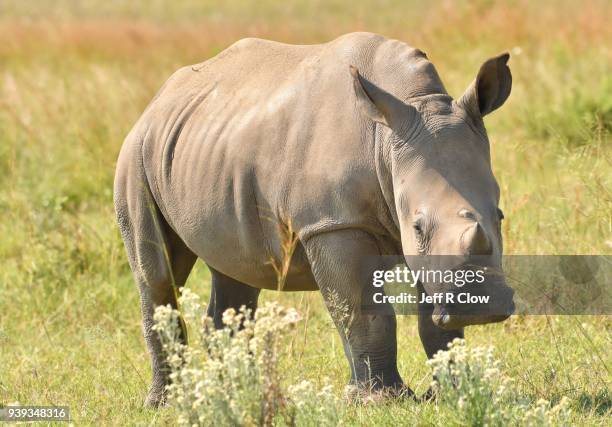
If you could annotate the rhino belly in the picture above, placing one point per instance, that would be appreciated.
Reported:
(233, 235)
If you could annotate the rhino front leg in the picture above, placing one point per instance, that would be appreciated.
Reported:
(342, 263)
(432, 337)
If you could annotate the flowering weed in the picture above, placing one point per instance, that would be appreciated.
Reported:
(472, 380)
(230, 376)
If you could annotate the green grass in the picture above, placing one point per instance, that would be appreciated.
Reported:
(74, 79)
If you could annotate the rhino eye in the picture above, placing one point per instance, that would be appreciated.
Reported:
(418, 229)
(500, 214)
(421, 238)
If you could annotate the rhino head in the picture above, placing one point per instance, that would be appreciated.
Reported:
(445, 194)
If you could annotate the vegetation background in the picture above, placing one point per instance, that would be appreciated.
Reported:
(74, 77)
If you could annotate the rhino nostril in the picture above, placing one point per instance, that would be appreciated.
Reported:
(445, 318)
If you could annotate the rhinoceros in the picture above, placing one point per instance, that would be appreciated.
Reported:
(354, 145)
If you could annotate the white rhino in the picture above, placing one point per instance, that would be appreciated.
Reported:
(354, 145)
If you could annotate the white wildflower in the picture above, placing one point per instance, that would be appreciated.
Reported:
(230, 376)
(472, 381)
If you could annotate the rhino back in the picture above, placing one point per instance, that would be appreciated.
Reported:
(266, 134)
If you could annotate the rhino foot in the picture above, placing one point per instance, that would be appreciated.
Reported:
(157, 397)
(363, 395)
(429, 396)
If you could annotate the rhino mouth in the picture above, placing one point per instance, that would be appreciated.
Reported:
(450, 317)
(457, 321)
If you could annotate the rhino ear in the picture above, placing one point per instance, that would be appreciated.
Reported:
(490, 89)
(379, 105)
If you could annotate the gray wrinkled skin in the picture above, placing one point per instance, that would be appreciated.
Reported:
(354, 143)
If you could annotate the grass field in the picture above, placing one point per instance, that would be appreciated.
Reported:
(75, 76)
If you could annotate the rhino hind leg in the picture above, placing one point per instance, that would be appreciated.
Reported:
(342, 263)
(160, 263)
(229, 293)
